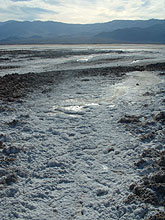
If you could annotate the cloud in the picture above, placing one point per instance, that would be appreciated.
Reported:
(20, 0)
(81, 11)
(33, 13)
(35, 10)
(53, 2)
(146, 3)
(20, 12)
(120, 8)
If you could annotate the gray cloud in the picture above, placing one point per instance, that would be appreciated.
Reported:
(120, 8)
(25, 9)
(80, 11)
(3, 10)
(146, 3)
(20, 0)
(26, 13)
(31, 10)
(53, 2)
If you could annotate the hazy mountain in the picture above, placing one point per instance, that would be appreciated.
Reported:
(12, 32)
(152, 34)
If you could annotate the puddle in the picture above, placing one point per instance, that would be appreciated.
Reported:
(73, 109)
(129, 90)
(133, 88)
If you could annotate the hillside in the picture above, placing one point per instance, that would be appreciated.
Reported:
(134, 31)
(153, 34)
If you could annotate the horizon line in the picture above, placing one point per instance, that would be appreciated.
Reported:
(82, 23)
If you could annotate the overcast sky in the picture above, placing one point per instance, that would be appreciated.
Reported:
(81, 11)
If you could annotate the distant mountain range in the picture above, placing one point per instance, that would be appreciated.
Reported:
(117, 31)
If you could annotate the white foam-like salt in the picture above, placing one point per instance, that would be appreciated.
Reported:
(78, 161)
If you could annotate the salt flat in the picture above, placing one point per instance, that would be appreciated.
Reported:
(72, 158)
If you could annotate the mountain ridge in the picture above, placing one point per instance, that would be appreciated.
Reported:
(24, 32)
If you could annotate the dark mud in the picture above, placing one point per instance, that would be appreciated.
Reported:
(14, 87)
(8, 67)
(52, 53)
(8, 157)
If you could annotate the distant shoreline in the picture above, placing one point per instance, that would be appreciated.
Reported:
(65, 44)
